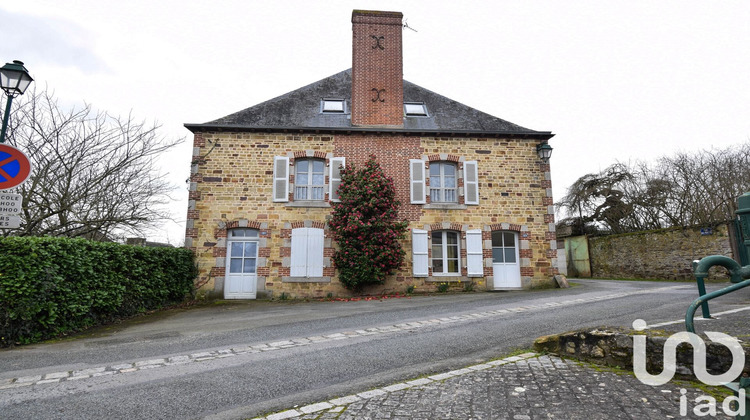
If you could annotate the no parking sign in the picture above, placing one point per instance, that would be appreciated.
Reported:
(15, 167)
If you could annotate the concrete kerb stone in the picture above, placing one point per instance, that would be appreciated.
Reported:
(345, 400)
(284, 415)
(312, 408)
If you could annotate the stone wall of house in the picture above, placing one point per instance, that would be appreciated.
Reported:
(231, 186)
(665, 254)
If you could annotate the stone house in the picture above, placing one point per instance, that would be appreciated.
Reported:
(473, 187)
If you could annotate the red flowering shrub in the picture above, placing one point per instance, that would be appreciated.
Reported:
(365, 227)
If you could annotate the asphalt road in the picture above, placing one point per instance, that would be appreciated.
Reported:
(199, 362)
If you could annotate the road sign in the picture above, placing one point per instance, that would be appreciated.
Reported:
(10, 222)
(15, 167)
(10, 203)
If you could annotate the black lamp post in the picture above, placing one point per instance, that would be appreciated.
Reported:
(544, 150)
(14, 79)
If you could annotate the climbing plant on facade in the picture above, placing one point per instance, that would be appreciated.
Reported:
(365, 226)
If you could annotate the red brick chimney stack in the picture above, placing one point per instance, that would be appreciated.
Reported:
(377, 69)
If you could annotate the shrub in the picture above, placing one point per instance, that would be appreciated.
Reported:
(365, 228)
(51, 286)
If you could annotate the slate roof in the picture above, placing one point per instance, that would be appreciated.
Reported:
(300, 110)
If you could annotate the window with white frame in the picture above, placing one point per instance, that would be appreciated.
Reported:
(443, 182)
(243, 251)
(446, 253)
(307, 252)
(444, 178)
(504, 248)
(309, 179)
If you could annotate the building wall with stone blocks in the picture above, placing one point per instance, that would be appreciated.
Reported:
(232, 186)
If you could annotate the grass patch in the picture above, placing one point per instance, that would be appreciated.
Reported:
(514, 352)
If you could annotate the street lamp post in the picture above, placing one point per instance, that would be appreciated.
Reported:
(14, 79)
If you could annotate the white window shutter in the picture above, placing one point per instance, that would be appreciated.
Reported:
(471, 183)
(334, 177)
(314, 252)
(416, 174)
(474, 258)
(280, 178)
(299, 253)
(419, 248)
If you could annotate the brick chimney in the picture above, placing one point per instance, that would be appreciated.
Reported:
(377, 69)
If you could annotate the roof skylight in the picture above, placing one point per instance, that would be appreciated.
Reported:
(415, 108)
(333, 105)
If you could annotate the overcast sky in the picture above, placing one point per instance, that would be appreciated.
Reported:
(614, 80)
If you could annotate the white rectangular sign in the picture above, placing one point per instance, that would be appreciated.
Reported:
(10, 222)
(10, 203)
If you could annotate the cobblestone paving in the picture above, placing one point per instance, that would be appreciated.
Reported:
(519, 388)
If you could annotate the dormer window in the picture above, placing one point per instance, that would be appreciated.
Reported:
(333, 106)
(417, 109)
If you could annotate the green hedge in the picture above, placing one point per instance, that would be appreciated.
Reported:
(50, 286)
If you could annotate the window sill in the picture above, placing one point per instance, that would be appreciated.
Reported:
(451, 278)
(305, 279)
(308, 203)
(445, 206)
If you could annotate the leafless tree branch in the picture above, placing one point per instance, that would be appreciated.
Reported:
(93, 174)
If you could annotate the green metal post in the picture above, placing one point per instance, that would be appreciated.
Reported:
(744, 384)
(700, 270)
(704, 299)
(5, 119)
(701, 290)
(743, 211)
(701, 293)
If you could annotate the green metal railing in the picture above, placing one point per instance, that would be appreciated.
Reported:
(740, 277)
(700, 268)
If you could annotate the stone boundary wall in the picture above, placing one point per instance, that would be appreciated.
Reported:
(614, 347)
(663, 254)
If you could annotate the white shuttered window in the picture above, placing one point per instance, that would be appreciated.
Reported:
(280, 179)
(417, 176)
(471, 183)
(307, 252)
(474, 258)
(419, 246)
(334, 177)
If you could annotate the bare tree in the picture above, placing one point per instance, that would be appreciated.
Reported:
(93, 174)
(681, 190)
(599, 199)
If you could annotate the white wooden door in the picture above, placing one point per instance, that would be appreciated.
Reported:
(241, 277)
(505, 264)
